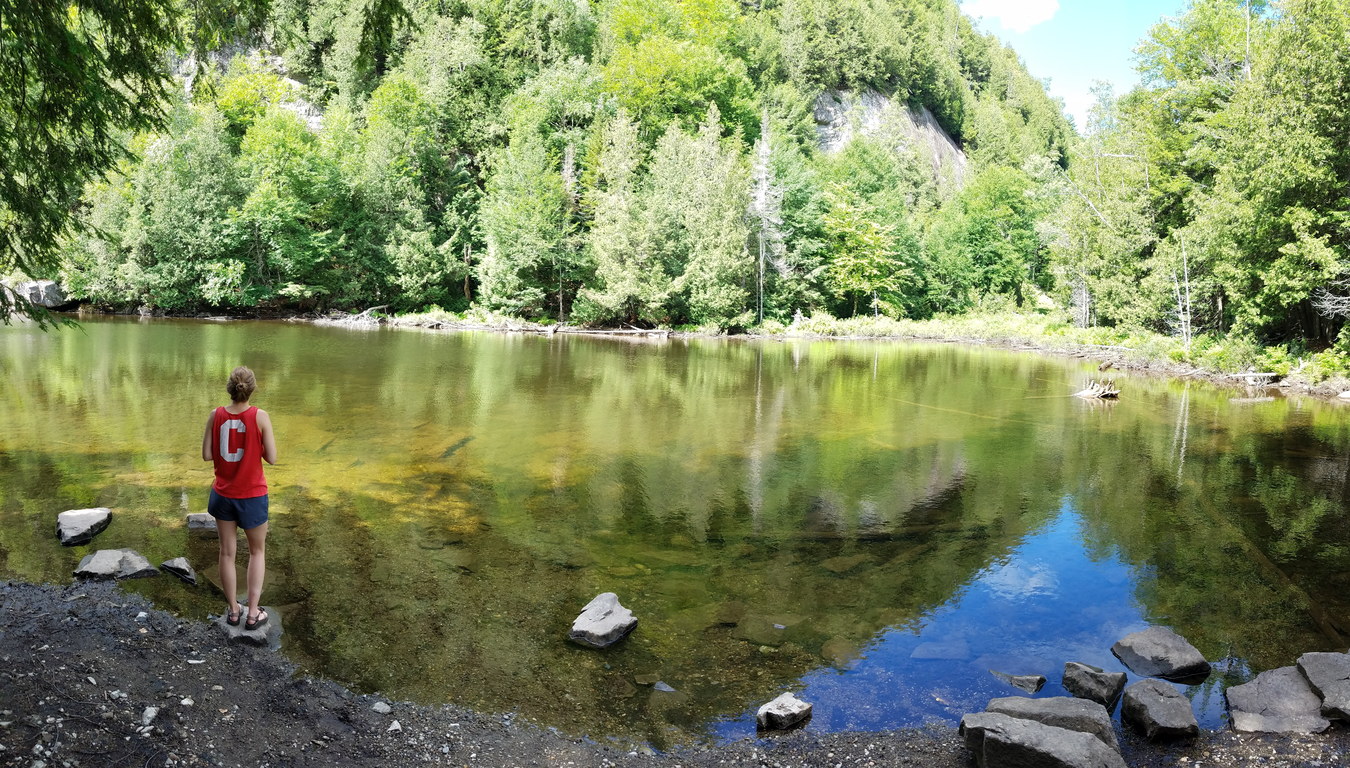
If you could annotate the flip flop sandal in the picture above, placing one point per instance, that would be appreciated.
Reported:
(254, 623)
(232, 618)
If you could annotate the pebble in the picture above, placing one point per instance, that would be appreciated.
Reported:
(381, 708)
(148, 716)
(91, 681)
(394, 727)
(187, 702)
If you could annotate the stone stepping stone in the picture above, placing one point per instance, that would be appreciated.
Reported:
(782, 713)
(1062, 712)
(1329, 676)
(1276, 701)
(115, 564)
(997, 740)
(80, 526)
(203, 524)
(1159, 711)
(1160, 652)
(180, 567)
(268, 635)
(603, 622)
(1093, 683)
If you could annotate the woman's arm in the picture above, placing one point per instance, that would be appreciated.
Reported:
(269, 440)
(206, 437)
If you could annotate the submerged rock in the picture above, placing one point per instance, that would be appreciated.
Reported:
(180, 567)
(998, 740)
(1158, 711)
(1329, 676)
(1088, 682)
(80, 526)
(1160, 652)
(1028, 683)
(115, 564)
(1062, 712)
(1276, 701)
(782, 713)
(603, 622)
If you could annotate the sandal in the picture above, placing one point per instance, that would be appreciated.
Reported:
(232, 618)
(256, 621)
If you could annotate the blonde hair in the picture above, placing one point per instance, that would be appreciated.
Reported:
(241, 384)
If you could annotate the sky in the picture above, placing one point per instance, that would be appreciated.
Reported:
(1074, 42)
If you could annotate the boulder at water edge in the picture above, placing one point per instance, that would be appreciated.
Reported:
(202, 524)
(44, 293)
(1160, 652)
(1093, 683)
(266, 634)
(180, 567)
(998, 740)
(1329, 676)
(1158, 711)
(782, 713)
(603, 622)
(115, 564)
(80, 526)
(1028, 683)
(1062, 712)
(1277, 701)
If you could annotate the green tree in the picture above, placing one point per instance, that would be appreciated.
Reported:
(865, 262)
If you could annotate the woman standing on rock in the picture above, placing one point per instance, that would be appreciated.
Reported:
(238, 437)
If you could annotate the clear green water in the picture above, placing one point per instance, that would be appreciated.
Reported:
(822, 517)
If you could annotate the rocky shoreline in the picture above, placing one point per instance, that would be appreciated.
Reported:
(93, 676)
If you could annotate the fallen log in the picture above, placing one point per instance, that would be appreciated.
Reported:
(1105, 390)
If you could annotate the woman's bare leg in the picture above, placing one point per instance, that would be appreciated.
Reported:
(228, 531)
(257, 565)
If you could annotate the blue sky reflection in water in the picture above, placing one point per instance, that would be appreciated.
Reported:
(1047, 602)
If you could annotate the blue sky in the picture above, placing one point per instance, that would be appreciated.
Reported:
(1074, 42)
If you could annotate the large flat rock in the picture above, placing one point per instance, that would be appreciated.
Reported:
(1329, 676)
(1062, 712)
(603, 622)
(1001, 741)
(1277, 701)
(1160, 652)
(115, 564)
(1159, 711)
(80, 526)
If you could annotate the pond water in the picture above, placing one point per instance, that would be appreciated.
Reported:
(874, 526)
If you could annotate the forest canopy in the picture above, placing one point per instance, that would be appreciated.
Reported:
(712, 163)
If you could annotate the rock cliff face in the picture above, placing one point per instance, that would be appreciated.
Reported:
(843, 115)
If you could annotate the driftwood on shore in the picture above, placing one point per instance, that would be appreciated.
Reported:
(1104, 390)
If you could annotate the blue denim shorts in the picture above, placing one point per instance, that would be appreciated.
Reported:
(248, 513)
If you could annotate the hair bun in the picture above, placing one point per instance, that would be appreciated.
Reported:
(241, 384)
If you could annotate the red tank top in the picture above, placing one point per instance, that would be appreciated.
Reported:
(236, 447)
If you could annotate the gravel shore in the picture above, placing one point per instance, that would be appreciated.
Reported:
(93, 676)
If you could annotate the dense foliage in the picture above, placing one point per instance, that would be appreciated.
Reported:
(626, 161)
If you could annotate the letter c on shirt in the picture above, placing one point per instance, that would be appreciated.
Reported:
(233, 425)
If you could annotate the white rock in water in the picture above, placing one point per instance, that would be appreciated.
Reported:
(80, 526)
(603, 622)
(782, 713)
(115, 564)
(180, 567)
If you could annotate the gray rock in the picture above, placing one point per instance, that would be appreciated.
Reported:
(1158, 711)
(1160, 652)
(269, 634)
(1088, 682)
(381, 708)
(1329, 676)
(202, 523)
(115, 564)
(603, 622)
(1028, 683)
(180, 567)
(80, 526)
(1062, 712)
(44, 293)
(782, 713)
(997, 740)
(1277, 701)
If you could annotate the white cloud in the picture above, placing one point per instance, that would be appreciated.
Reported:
(1013, 15)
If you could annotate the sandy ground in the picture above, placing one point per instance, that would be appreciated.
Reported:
(81, 666)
